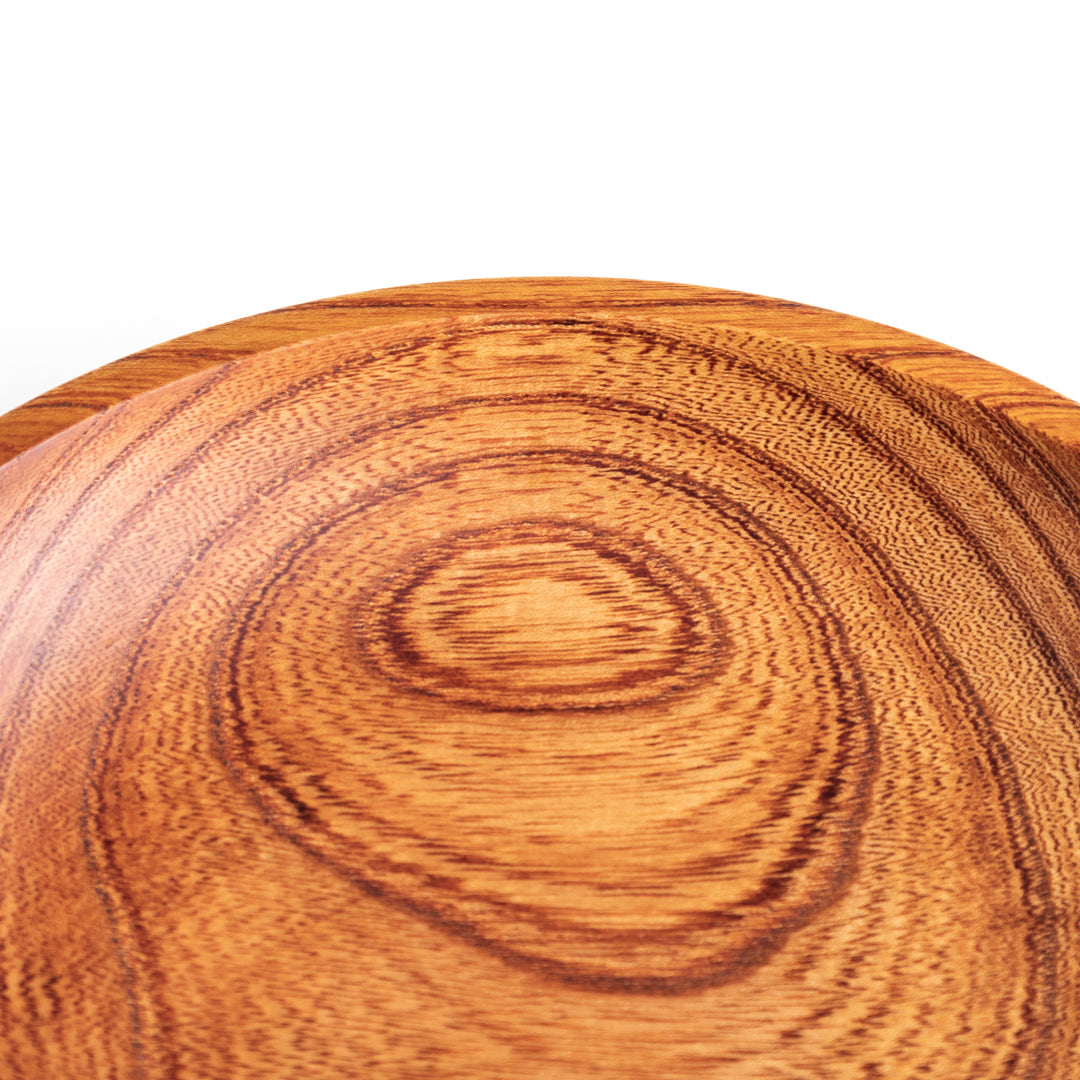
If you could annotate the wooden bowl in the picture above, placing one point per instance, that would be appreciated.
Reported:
(544, 678)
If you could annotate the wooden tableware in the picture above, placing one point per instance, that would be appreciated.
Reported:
(541, 678)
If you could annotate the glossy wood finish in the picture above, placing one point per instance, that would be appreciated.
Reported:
(541, 678)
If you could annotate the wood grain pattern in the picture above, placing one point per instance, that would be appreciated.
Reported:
(556, 679)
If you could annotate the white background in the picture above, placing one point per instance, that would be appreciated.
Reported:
(169, 167)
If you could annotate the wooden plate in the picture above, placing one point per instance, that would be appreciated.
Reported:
(554, 678)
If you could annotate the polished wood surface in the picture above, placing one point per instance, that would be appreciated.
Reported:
(545, 679)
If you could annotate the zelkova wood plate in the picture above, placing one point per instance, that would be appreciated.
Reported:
(541, 679)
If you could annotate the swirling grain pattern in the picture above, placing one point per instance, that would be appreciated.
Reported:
(540, 688)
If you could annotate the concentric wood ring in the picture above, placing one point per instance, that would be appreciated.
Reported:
(534, 615)
(545, 689)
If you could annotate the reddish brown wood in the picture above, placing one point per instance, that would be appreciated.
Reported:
(541, 678)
